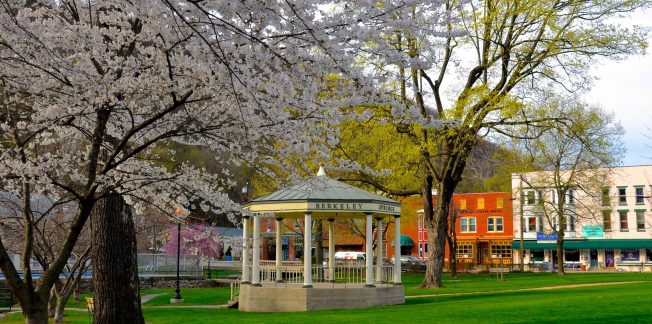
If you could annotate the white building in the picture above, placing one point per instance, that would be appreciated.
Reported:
(609, 229)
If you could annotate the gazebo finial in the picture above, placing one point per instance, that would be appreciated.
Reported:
(321, 172)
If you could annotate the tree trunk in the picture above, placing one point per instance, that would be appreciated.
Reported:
(76, 295)
(116, 290)
(61, 306)
(437, 228)
(560, 248)
(436, 221)
(36, 312)
(451, 253)
(52, 303)
(560, 256)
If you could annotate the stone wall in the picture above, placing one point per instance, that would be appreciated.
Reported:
(86, 285)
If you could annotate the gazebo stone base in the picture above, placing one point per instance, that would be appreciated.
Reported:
(295, 298)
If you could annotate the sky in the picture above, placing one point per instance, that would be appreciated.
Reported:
(625, 88)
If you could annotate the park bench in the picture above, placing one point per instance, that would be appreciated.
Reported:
(500, 272)
(6, 298)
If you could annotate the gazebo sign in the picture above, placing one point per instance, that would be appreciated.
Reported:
(337, 206)
(363, 207)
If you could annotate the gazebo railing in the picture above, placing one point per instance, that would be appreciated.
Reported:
(345, 272)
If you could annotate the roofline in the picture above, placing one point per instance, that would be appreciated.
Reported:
(397, 203)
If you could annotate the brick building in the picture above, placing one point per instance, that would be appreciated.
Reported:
(483, 228)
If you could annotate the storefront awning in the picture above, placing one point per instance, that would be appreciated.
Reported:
(587, 244)
(405, 241)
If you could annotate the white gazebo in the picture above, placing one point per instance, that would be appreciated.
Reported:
(318, 198)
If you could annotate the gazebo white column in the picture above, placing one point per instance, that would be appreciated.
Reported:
(307, 251)
(246, 273)
(379, 250)
(331, 249)
(279, 250)
(369, 251)
(255, 269)
(397, 250)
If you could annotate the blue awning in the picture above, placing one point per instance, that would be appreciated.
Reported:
(405, 241)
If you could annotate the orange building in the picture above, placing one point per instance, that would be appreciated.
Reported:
(483, 228)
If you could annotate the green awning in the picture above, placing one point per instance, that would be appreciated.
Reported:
(586, 244)
(405, 241)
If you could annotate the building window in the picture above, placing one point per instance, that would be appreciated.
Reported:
(606, 220)
(570, 223)
(494, 224)
(572, 255)
(629, 255)
(420, 223)
(464, 250)
(530, 197)
(463, 204)
(480, 203)
(531, 224)
(297, 226)
(501, 250)
(648, 255)
(622, 196)
(536, 255)
(467, 225)
(499, 203)
(540, 197)
(624, 227)
(570, 197)
(639, 195)
(606, 201)
(640, 221)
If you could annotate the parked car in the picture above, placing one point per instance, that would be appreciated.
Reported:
(410, 263)
(350, 255)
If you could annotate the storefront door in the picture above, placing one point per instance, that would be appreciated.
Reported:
(484, 253)
(594, 258)
(609, 258)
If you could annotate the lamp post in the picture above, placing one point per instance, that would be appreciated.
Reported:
(177, 293)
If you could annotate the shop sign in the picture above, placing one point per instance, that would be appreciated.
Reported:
(547, 237)
(592, 231)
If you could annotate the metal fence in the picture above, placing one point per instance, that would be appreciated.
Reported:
(150, 265)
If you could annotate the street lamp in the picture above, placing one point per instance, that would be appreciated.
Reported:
(177, 293)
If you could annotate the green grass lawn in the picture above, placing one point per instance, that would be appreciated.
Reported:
(625, 303)
(220, 273)
(487, 283)
(191, 296)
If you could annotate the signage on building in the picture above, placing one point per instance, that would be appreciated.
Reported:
(592, 231)
(547, 237)
(479, 211)
(355, 207)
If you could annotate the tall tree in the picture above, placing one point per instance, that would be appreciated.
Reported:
(509, 51)
(575, 158)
